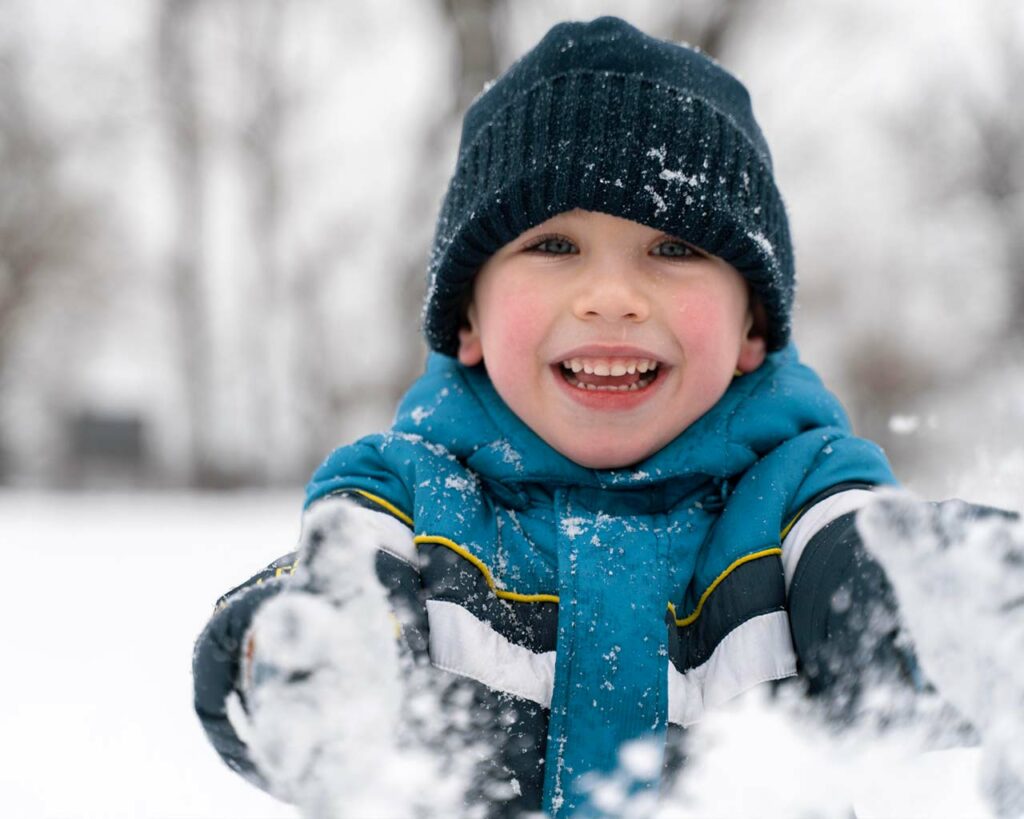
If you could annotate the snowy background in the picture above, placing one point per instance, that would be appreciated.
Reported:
(214, 217)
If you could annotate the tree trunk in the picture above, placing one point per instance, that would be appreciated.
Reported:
(177, 74)
(476, 61)
(266, 324)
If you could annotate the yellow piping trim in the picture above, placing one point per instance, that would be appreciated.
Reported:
(461, 551)
(791, 524)
(394, 510)
(707, 592)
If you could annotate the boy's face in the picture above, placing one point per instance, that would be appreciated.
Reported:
(606, 337)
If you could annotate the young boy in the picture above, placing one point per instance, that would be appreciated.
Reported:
(616, 498)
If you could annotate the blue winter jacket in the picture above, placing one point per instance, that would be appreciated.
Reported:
(605, 604)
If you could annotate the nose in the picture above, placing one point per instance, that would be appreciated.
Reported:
(613, 293)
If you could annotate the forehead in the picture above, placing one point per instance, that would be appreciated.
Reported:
(588, 220)
(581, 216)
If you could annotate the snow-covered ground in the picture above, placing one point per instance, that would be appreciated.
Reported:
(102, 599)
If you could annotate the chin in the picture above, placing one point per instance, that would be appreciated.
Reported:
(605, 457)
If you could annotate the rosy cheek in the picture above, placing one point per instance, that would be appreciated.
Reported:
(523, 320)
(707, 327)
(695, 316)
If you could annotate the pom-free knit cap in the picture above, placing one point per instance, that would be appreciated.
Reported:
(600, 116)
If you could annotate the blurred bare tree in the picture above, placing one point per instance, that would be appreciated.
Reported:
(281, 335)
(475, 48)
(971, 162)
(281, 234)
(44, 229)
(177, 72)
(262, 26)
(708, 25)
(963, 145)
(999, 119)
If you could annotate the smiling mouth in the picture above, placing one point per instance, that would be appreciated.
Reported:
(610, 374)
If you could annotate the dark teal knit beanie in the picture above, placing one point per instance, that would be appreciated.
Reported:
(602, 117)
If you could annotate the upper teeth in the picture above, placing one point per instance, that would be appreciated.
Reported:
(608, 366)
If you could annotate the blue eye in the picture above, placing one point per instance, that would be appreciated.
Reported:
(673, 248)
(555, 245)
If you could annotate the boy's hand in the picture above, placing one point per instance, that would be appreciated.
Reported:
(321, 673)
(958, 571)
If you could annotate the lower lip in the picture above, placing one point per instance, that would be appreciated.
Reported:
(608, 400)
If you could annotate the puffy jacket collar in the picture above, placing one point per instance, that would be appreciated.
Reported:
(458, 407)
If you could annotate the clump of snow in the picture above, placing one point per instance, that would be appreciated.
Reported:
(659, 201)
(572, 527)
(322, 682)
(321, 718)
(679, 177)
(959, 578)
(509, 454)
(762, 242)
(909, 424)
(768, 755)
(765, 755)
(641, 759)
(757, 758)
(458, 483)
(659, 153)
(337, 722)
(904, 424)
(419, 414)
